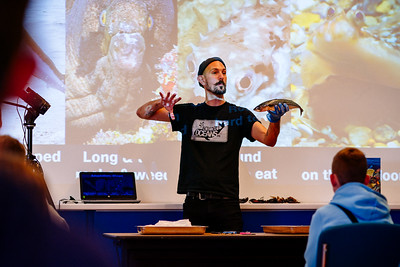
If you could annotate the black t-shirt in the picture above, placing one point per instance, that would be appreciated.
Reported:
(211, 140)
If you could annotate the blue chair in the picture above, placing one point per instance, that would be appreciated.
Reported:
(360, 244)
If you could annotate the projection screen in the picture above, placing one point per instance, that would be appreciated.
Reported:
(99, 60)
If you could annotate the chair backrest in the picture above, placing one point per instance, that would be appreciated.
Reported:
(360, 244)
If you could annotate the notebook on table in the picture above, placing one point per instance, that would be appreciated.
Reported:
(108, 187)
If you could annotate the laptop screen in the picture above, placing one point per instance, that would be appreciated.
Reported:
(107, 186)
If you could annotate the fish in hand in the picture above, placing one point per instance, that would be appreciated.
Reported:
(269, 105)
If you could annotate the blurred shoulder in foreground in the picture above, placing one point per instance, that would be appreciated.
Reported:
(28, 235)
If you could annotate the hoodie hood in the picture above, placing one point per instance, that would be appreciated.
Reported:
(365, 203)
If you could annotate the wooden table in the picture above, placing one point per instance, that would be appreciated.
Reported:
(256, 249)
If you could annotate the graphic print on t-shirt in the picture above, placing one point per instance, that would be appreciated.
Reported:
(210, 131)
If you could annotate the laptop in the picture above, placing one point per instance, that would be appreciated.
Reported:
(108, 187)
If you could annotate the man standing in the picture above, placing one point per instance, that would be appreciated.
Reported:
(212, 134)
(353, 200)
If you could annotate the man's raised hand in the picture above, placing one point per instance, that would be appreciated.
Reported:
(169, 101)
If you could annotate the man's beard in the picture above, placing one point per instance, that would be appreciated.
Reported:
(218, 89)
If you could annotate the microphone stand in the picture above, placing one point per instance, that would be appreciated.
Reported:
(30, 117)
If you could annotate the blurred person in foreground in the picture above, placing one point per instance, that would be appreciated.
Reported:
(16, 63)
(11, 146)
(29, 237)
(349, 181)
(212, 134)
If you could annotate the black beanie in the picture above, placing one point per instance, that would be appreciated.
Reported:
(207, 62)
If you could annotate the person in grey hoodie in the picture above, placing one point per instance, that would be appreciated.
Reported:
(349, 181)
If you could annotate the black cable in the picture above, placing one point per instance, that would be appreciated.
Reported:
(59, 202)
(24, 141)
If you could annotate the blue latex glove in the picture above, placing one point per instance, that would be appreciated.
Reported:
(280, 110)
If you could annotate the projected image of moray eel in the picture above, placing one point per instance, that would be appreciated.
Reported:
(348, 61)
(112, 50)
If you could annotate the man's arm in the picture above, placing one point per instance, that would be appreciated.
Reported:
(159, 109)
(266, 136)
(153, 110)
